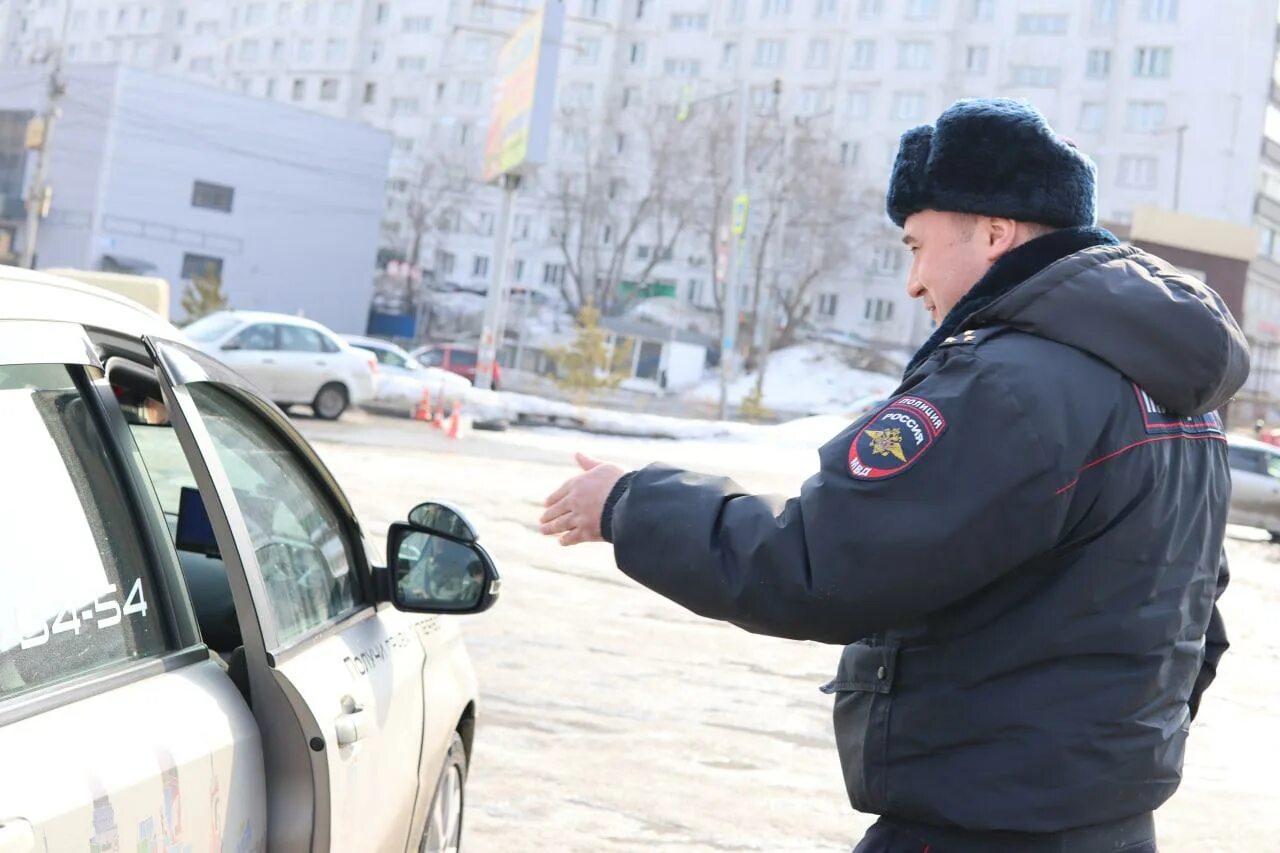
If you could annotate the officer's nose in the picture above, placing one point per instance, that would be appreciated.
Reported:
(915, 287)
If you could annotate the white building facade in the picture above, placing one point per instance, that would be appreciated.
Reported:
(1167, 96)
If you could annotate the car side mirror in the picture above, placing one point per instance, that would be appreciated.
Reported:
(443, 518)
(230, 345)
(433, 573)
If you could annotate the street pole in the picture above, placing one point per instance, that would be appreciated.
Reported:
(495, 303)
(738, 227)
(39, 192)
(1177, 169)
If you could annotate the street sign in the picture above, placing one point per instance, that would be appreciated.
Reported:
(740, 205)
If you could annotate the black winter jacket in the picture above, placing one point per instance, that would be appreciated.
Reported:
(1021, 547)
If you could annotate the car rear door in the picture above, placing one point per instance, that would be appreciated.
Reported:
(1252, 490)
(305, 364)
(117, 729)
(254, 353)
(336, 682)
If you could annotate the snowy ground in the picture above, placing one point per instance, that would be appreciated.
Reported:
(807, 378)
(613, 720)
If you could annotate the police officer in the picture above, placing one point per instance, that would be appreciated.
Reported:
(1021, 549)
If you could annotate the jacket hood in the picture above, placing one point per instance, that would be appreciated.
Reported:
(1163, 329)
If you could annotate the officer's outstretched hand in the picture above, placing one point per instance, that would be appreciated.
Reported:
(573, 510)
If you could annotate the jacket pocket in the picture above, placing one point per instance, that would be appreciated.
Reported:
(862, 688)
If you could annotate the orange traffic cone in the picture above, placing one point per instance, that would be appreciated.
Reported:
(423, 412)
(453, 420)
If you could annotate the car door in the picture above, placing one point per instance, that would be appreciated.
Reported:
(254, 353)
(1252, 490)
(400, 381)
(305, 364)
(336, 682)
(117, 729)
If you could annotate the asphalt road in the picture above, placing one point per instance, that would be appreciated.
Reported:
(614, 720)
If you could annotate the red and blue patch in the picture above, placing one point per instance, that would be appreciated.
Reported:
(895, 439)
(1157, 420)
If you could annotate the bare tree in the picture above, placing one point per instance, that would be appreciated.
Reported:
(624, 186)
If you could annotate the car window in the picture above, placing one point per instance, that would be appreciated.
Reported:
(329, 344)
(431, 358)
(297, 536)
(1273, 465)
(259, 336)
(1244, 459)
(211, 328)
(299, 339)
(463, 358)
(75, 593)
(390, 358)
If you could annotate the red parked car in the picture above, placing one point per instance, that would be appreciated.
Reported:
(455, 358)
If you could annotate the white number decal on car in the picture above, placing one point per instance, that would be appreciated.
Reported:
(109, 613)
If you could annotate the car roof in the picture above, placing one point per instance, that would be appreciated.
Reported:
(274, 317)
(1251, 444)
(30, 295)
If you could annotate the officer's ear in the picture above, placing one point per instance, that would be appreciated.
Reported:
(998, 236)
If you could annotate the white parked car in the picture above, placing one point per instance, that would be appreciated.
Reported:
(293, 361)
(1255, 484)
(198, 648)
(402, 379)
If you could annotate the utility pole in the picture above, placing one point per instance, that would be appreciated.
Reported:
(492, 332)
(39, 136)
(1177, 168)
(738, 240)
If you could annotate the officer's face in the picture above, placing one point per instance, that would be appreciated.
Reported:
(950, 252)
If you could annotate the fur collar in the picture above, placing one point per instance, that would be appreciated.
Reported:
(1009, 271)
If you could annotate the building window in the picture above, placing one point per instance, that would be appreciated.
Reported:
(404, 106)
(1092, 116)
(335, 51)
(201, 267)
(1146, 116)
(1137, 172)
(270, 88)
(814, 100)
(630, 95)
(1267, 242)
(480, 267)
(878, 310)
(311, 13)
(277, 50)
(827, 303)
(857, 105)
(729, 55)
(306, 49)
(886, 260)
(518, 272)
(1152, 61)
(446, 262)
(982, 10)
(824, 10)
(764, 99)
(770, 52)
(637, 53)
(340, 13)
(1035, 76)
(849, 153)
(737, 10)
(1050, 25)
(416, 24)
(329, 89)
(1104, 11)
(915, 55)
(863, 54)
(868, 9)
(819, 53)
(775, 8)
(212, 196)
(382, 13)
(1098, 64)
(682, 67)
(922, 10)
(411, 63)
(299, 89)
(976, 59)
(907, 106)
(553, 273)
(470, 93)
(1159, 10)
(689, 23)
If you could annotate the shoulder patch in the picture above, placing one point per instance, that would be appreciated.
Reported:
(972, 337)
(895, 439)
(1157, 420)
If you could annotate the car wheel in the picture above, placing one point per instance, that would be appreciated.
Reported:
(330, 401)
(444, 819)
(1275, 535)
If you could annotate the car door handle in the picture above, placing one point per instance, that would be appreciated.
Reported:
(351, 727)
(16, 836)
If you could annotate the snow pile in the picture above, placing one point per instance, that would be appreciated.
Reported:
(807, 378)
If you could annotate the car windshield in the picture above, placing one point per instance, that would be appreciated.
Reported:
(211, 328)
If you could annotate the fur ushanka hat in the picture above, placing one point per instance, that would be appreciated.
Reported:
(994, 157)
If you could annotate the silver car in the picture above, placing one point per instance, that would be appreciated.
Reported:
(1255, 485)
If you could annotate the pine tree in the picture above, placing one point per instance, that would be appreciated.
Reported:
(585, 365)
(203, 296)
